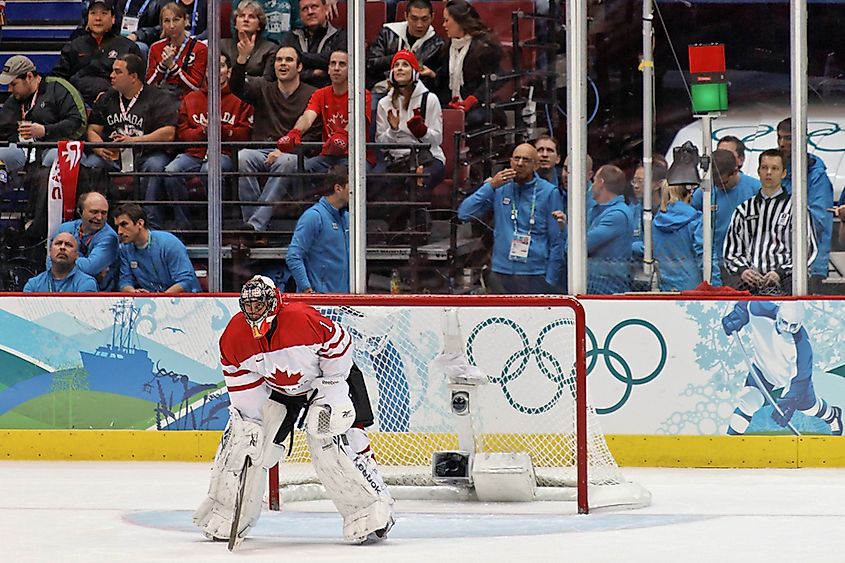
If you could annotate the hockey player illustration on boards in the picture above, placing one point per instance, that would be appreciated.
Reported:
(780, 363)
(283, 361)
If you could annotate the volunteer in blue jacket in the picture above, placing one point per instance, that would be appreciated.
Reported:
(610, 234)
(730, 188)
(151, 261)
(62, 276)
(97, 242)
(819, 199)
(318, 256)
(678, 240)
(527, 243)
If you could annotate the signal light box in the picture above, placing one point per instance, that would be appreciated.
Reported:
(709, 86)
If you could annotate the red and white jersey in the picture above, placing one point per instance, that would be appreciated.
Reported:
(301, 347)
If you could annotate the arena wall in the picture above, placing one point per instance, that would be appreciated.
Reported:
(663, 377)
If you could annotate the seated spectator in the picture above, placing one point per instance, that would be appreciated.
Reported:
(196, 15)
(193, 126)
(471, 52)
(316, 41)
(610, 234)
(277, 107)
(63, 275)
(281, 18)
(318, 255)
(87, 60)
(250, 23)
(527, 243)
(548, 163)
(410, 114)
(131, 113)
(140, 24)
(730, 188)
(151, 261)
(330, 105)
(758, 244)
(177, 63)
(678, 240)
(415, 34)
(96, 241)
(38, 109)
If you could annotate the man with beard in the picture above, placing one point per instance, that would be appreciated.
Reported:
(63, 276)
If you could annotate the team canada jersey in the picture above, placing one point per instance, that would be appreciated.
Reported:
(301, 347)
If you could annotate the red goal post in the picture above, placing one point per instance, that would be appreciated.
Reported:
(395, 323)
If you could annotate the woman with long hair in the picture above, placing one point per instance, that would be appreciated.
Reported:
(472, 52)
(678, 242)
(178, 61)
(250, 23)
(409, 114)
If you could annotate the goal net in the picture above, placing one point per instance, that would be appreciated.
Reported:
(533, 400)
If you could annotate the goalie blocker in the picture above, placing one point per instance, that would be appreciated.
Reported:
(301, 370)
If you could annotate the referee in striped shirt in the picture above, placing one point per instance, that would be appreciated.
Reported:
(758, 246)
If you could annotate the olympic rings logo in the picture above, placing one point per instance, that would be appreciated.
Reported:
(564, 376)
(515, 365)
(627, 377)
(822, 130)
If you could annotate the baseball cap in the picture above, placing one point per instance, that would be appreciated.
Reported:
(108, 4)
(14, 67)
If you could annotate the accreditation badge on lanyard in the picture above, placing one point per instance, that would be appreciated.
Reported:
(129, 24)
(521, 242)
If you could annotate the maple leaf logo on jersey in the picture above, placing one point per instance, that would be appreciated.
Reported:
(285, 379)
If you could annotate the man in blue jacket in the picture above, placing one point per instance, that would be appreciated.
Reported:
(318, 256)
(62, 276)
(819, 199)
(97, 242)
(527, 243)
(151, 261)
(610, 234)
(730, 188)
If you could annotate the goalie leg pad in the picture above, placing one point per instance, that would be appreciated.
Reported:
(215, 514)
(355, 486)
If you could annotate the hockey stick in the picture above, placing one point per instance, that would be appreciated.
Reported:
(235, 540)
(759, 383)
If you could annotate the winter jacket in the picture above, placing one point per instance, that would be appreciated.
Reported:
(393, 37)
(724, 203)
(189, 75)
(820, 199)
(483, 58)
(193, 120)
(678, 247)
(433, 119)
(261, 60)
(149, 28)
(318, 256)
(610, 234)
(315, 48)
(58, 107)
(88, 64)
(545, 253)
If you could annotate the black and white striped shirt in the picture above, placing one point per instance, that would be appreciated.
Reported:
(760, 236)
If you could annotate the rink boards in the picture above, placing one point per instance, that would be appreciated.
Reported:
(663, 377)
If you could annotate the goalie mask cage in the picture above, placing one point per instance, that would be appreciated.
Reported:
(532, 348)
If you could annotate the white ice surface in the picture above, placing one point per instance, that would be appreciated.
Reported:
(126, 512)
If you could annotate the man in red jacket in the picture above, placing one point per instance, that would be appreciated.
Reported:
(193, 126)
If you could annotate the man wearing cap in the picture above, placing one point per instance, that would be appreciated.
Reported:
(38, 109)
(87, 60)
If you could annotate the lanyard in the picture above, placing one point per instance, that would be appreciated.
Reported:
(54, 285)
(194, 17)
(515, 210)
(26, 111)
(84, 245)
(159, 287)
(124, 111)
(141, 11)
(178, 54)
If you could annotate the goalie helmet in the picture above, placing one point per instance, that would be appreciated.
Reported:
(259, 301)
(790, 317)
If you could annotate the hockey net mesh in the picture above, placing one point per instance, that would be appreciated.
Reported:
(529, 354)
